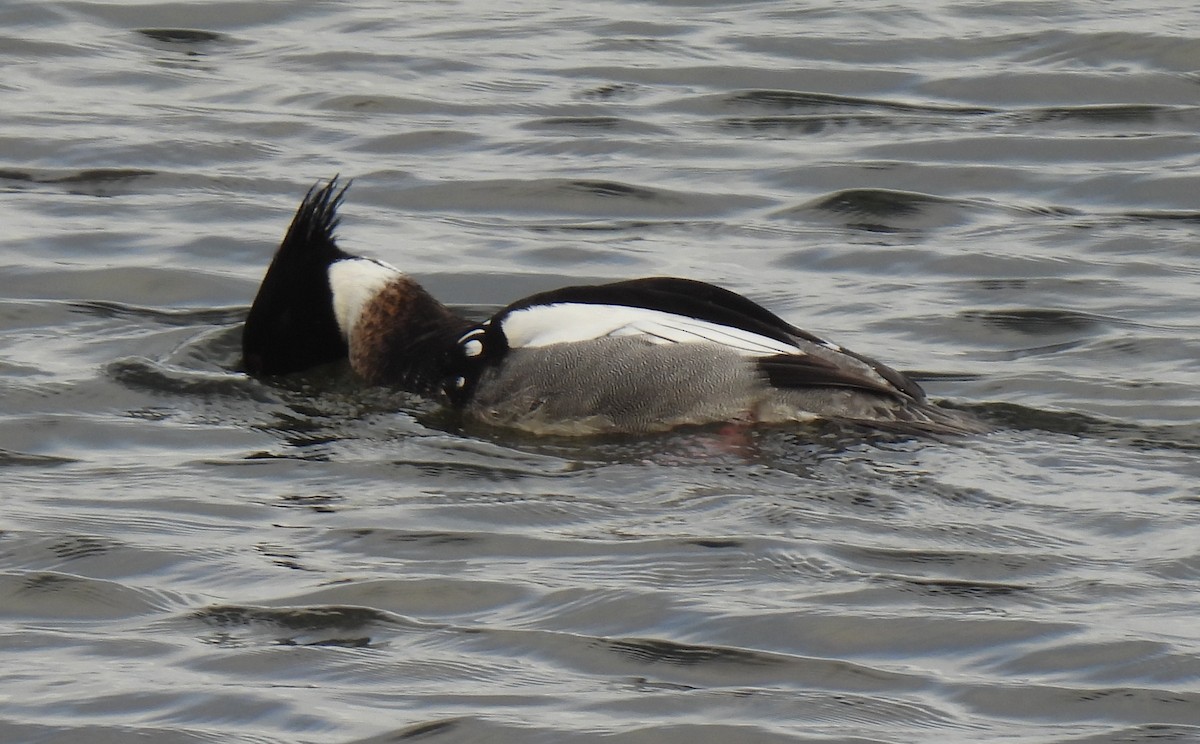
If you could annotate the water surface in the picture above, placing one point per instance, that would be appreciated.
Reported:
(1000, 197)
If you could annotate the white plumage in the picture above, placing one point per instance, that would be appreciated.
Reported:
(572, 322)
(354, 282)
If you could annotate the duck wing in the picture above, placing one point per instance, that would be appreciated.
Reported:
(669, 310)
(675, 303)
(807, 371)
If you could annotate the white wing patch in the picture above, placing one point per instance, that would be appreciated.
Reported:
(567, 322)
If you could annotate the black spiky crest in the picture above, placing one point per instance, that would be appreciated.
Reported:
(291, 325)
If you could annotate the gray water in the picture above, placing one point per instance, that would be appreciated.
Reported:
(1002, 197)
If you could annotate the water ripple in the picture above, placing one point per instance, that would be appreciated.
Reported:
(998, 196)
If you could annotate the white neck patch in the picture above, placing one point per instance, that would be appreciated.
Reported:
(355, 282)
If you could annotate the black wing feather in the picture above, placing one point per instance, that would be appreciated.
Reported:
(685, 297)
(898, 379)
(802, 371)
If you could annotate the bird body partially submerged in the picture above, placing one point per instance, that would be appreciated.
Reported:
(638, 355)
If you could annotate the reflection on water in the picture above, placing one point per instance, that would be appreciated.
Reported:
(999, 198)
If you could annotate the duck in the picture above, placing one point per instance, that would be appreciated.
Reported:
(634, 356)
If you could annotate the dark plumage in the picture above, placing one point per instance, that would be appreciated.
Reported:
(291, 325)
(636, 355)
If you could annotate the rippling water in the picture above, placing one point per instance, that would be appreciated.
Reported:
(1000, 196)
